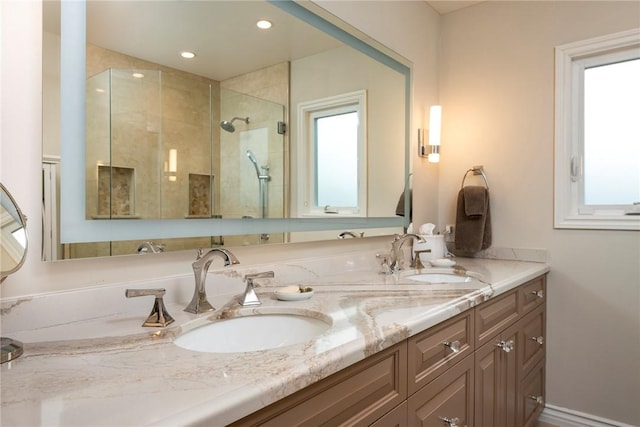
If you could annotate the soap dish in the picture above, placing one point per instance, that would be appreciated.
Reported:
(293, 296)
(443, 262)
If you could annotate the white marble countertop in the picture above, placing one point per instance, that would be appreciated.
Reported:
(108, 371)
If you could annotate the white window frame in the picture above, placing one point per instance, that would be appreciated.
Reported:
(355, 101)
(571, 60)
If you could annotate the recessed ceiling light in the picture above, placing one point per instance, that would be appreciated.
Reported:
(187, 55)
(263, 24)
(138, 75)
(99, 90)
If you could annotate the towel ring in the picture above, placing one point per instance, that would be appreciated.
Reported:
(476, 171)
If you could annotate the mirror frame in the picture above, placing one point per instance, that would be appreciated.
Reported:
(23, 221)
(75, 228)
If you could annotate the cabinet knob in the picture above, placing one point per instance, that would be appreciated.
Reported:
(451, 422)
(538, 399)
(506, 346)
(539, 293)
(539, 340)
(454, 346)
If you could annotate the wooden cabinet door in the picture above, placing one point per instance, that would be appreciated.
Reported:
(496, 380)
(531, 397)
(395, 418)
(356, 396)
(450, 396)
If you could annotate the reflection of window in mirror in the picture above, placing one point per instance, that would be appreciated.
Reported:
(335, 152)
(598, 133)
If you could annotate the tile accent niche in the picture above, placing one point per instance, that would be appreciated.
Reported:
(200, 195)
(116, 192)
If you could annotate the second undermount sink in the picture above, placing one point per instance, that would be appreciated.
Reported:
(439, 278)
(253, 333)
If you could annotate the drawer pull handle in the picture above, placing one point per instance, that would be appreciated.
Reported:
(539, 340)
(539, 293)
(539, 399)
(451, 422)
(506, 346)
(454, 346)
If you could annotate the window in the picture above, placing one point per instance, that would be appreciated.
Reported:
(597, 162)
(333, 136)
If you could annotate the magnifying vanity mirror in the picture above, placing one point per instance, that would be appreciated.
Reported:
(13, 251)
(298, 132)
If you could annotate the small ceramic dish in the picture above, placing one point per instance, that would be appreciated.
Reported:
(294, 296)
(443, 262)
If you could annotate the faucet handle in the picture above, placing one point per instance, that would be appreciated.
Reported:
(263, 275)
(417, 262)
(249, 297)
(384, 264)
(159, 316)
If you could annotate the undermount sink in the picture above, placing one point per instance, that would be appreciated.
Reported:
(252, 333)
(439, 278)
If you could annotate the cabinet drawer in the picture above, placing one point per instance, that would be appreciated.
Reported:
(448, 396)
(531, 396)
(533, 339)
(494, 315)
(356, 396)
(437, 349)
(532, 294)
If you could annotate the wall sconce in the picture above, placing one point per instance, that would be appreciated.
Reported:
(435, 126)
(173, 164)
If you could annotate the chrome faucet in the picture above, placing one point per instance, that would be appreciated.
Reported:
(395, 257)
(150, 247)
(199, 303)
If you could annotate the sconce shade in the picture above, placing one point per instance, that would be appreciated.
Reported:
(435, 124)
(173, 160)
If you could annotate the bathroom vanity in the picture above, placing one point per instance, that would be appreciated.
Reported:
(397, 352)
(483, 367)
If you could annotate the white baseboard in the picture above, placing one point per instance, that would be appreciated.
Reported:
(563, 417)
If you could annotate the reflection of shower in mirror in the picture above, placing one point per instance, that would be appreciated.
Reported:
(228, 124)
(263, 177)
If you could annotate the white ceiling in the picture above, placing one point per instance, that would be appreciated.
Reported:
(445, 6)
(223, 34)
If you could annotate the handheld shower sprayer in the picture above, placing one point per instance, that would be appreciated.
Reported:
(228, 124)
(253, 160)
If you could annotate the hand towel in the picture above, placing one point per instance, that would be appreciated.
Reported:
(475, 201)
(473, 222)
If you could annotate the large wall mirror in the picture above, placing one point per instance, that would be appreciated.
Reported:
(292, 133)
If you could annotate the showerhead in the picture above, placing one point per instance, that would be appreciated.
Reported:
(228, 125)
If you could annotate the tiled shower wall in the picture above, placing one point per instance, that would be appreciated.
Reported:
(185, 125)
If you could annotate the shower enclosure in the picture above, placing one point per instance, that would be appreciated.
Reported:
(252, 160)
(155, 151)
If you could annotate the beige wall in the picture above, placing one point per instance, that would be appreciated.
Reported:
(496, 88)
